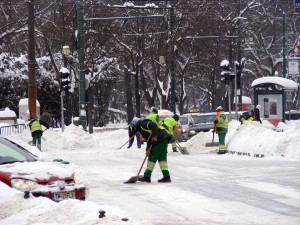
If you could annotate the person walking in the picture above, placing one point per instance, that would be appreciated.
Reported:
(170, 123)
(37, 131)
(157, 146)
(131, 137)
(221, 123)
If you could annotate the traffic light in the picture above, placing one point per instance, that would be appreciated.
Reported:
(65, 81)
(225, 74)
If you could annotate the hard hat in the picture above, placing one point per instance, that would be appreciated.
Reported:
(135, 121)
(219, 108)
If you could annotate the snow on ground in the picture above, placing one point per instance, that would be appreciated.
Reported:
(276, 144)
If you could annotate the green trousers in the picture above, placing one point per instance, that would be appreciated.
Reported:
(158, 153)
(37, 140)
(222, 146)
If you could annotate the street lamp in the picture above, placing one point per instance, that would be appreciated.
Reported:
(65, 52)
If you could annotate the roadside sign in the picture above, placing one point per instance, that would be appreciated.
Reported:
(297, 5)
(293, 68)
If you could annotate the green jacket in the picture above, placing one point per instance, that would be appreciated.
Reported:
(170, 123)
(35, 125)
(154, 117)
(221, 123)
(149, 129)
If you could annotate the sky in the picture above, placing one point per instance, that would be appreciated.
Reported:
(206, 188)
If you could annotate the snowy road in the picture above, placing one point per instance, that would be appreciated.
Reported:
(206, 189)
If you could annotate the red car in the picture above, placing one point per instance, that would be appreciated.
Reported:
(21, 170)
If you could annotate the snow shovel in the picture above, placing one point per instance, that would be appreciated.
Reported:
(182, 150)
(134, 179)
(212, 141)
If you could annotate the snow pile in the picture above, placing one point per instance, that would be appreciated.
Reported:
(251, 137)
(254, 138)
(40, 210)
(72, 138)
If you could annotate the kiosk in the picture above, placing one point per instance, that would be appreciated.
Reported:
(270, 93)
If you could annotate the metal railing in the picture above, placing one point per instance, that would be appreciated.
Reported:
(12, 129)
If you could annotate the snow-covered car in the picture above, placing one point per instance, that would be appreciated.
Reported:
(20, 169)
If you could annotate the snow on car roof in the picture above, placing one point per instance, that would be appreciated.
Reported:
(165, 112)
(285, 83)
(30, 170)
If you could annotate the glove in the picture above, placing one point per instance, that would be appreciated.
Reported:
(154, 139)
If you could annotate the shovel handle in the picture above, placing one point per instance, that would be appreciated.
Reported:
(213, 137)
(143, 163)
(126, 142)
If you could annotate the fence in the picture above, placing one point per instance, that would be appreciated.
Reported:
(12, 129)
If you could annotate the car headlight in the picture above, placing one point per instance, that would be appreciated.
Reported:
(183, 130)
(78, 178)
(23, 184)
(192, 132)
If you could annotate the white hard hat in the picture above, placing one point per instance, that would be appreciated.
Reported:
(219, 108)
(135, 121)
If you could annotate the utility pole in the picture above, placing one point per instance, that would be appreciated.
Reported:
(283, 47)
(82, 85)
(239, 59)
(172, 64)
(31, 61)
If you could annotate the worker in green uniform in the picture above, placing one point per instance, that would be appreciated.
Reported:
(37, 131)
(221, 123)
(157, 145)
(154, 115)
(170, 123)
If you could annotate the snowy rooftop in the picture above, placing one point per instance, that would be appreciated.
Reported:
(285, 83)
(7, 113)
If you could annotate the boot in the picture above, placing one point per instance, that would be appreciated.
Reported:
(221, 152)
(144, 179)
(165, 180)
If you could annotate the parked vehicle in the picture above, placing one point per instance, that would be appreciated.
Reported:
(203, 122)
(20, 169)
(186, 121)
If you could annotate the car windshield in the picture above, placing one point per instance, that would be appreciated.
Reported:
(204, 118)
(11, 152)
(183, 120)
